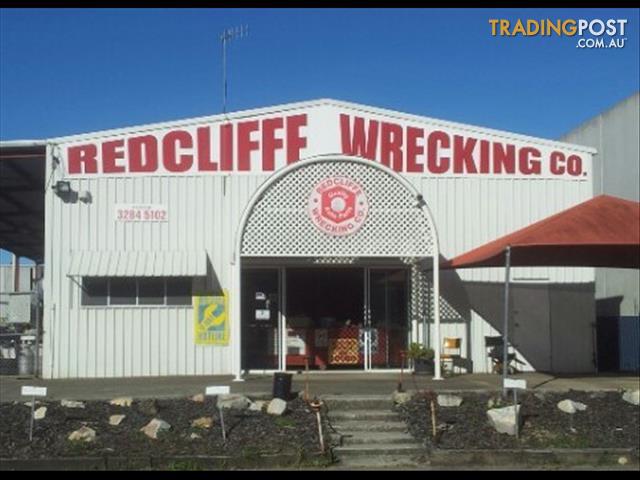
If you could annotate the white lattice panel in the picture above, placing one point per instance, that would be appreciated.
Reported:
(396, 226)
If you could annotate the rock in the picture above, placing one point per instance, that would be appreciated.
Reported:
(148, 407)
(257, 406)
(569, 406)
(632, 396)
(154, 427)
(40, 413)
(194, 436)
(449, 400)
(400, 398)
(116, 419)
(277, 406)
(71, 404)
(202, 422)
(623, 460)
(83, 434)
(28, 404)
(198, 398)
(503, 419)
(235, 401)
(122, 401)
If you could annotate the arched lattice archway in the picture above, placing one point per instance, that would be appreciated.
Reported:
(279, 221)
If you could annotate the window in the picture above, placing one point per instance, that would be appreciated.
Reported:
(95, 291)
(151, 291)
(128, 291)
(122, 291)
(179, 291)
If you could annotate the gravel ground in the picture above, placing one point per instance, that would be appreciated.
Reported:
(248, 433)
(608, 422)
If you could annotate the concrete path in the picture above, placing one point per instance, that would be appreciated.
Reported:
(320, 383)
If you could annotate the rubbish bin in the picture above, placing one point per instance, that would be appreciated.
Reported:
(282, 385)
(26, 359)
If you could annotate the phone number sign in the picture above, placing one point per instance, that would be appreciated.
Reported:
(140, 213)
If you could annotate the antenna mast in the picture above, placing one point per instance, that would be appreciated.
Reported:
(225, 37)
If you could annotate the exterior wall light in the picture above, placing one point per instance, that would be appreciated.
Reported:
(62, 188)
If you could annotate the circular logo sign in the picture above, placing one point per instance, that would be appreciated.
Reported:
(338, 206)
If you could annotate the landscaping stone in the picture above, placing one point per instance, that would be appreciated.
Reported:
(609, 422)
(632, 397)
(40, 413)
(148, 407)
(400, 397)
(569, 406)
(202, 422)
(71, 404)
(194, 436)
(234, 401)
(116, 419)
(199, 398)
(503, 419)
(449, 400)
(154, 427)
(257, 406)
(83, 434)
(122, 401)
(293, 434)
(277, 406)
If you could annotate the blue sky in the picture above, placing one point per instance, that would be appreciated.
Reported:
(77, 70)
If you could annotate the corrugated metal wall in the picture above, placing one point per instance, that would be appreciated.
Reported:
(121, 341)
(204, 212)
(615, 133)
(472, 211)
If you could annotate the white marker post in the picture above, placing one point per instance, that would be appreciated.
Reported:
(219, 390)
(33, 392)
(515, 385)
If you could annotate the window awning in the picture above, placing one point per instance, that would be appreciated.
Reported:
(101, 263)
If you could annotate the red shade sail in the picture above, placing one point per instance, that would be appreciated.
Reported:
(601, 232)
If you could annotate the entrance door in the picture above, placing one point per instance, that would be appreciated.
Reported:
(324, 318)
(386, 317)
(260, 318)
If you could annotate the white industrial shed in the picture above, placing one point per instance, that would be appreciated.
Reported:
(260, 239)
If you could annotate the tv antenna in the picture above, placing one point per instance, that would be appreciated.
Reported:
(225, 37)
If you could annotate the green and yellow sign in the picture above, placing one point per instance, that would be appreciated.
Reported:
(211, 319)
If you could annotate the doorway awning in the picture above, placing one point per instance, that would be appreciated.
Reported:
(601, 232)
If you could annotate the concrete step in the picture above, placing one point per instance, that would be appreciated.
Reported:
(358, 402)
(362, 415)
(370, 438)
(379, 462)
(370, 426)
(379, 449)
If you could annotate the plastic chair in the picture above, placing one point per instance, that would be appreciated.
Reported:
(451, 351)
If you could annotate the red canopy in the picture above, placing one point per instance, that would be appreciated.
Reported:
(601, 232)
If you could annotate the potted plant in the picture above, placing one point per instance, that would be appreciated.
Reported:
(421, 357)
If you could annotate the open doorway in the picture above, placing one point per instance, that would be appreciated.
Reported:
(329, 318)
